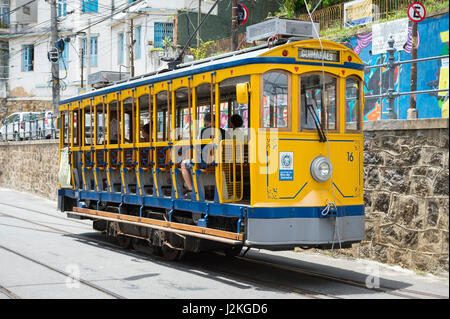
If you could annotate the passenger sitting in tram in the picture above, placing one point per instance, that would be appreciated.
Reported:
(206, 133)
(145, 133)
(237, 132)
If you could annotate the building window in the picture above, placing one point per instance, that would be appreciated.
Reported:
(4, 15)
(93, 53)
(28, 57)
(120, 46)
(162, 31)
(89, 5)
(138, 42)
(62, 8)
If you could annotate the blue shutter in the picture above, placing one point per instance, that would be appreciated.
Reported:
(94, 48)
(64, 57)
(62, 8)
(89, 6)
(121, 48)
(27, 57)
(24, 58)
(138, 42)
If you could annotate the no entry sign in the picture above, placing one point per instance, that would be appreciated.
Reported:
(242, 14)
(416, 12)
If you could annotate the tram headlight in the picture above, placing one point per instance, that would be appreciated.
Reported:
(321, 169)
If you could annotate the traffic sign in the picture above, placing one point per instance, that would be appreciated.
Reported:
(53, 55)
(242, 14)
(416, 12)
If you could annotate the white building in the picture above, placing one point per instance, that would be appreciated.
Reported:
(102, 27)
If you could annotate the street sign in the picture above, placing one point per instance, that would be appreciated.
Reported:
(53, 55)
(242, 14)
(416, 12)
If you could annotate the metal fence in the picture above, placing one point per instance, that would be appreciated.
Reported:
(22, 126)
(333, 17)
(390, 93)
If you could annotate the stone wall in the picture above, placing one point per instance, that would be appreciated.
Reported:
(30, 166)
(406, 189)
(406, 194)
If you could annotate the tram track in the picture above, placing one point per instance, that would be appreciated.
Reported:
(399, 292)
(8, 293)
(304, 292)
(80, 280)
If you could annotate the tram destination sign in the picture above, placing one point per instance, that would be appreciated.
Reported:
(319, 55)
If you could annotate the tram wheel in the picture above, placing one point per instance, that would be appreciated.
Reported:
(170, 253)
(124, 241)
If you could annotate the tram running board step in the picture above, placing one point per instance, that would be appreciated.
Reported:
(190, 230)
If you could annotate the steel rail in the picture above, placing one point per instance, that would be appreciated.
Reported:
(85, 282)
(8, 293)
(388, 290)
(306, 292)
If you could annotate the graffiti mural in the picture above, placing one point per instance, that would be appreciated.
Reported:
(433, 34)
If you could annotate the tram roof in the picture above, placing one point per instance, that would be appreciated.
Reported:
(248, 56)
(231, 59)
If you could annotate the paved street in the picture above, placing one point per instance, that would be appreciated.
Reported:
(42, 253)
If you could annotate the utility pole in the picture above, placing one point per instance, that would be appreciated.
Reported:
(88, 54)
(412, 111)
(131, 49)
(82, 61)
(55, 66)
(234, 25)
(199, 16)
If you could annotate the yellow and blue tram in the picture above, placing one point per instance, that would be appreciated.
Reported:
(293, 177)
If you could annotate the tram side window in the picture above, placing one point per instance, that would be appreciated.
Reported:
(66, 128)
(234, 117)
(129, 125)
(183, 118)
(163, 117)
(352, 105)
(276, 100)
(101, 118)
(318, 95)
(88, 126)
(114, 122)
(204, 105)
(145, 114)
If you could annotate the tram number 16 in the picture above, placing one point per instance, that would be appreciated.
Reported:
(350, 156)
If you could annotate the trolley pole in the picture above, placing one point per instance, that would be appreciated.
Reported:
(234, 25)
(199, 19)
(55, 66)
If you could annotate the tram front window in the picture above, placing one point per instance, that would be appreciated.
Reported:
(352, 105)
(276, 100)
(318, 95)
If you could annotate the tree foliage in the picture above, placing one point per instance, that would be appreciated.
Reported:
(292, 8)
